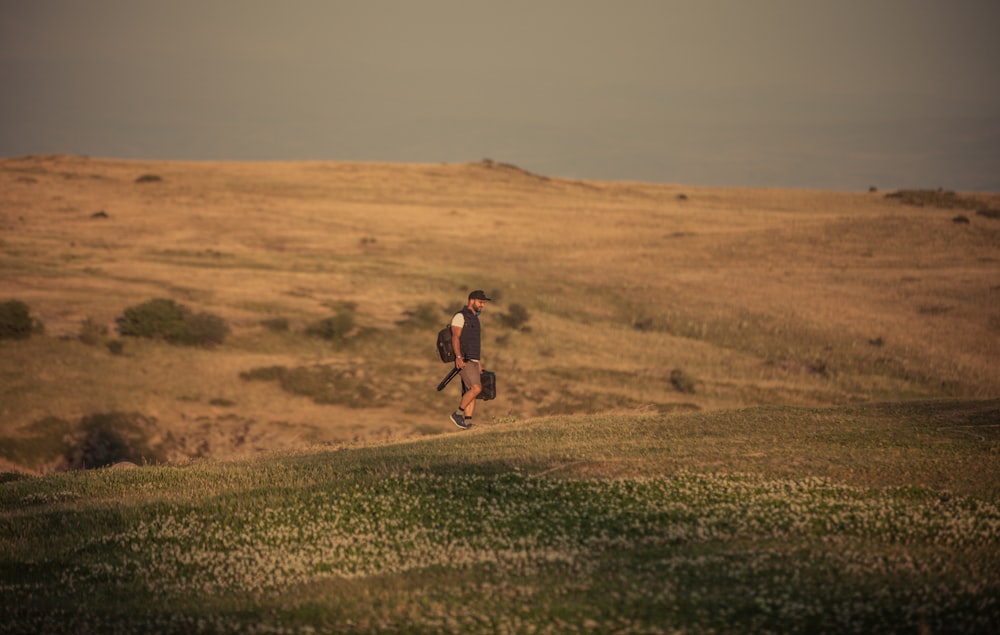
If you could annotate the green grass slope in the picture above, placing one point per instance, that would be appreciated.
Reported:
(875, 518)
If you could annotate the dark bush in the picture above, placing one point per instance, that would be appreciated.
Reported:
(165, 319)
(109, 438)
(266, 373)
(159, 318)
(334, 328)
(16, 322)
(682, 381)
(819, 367)
(516, 318)
(149, 178)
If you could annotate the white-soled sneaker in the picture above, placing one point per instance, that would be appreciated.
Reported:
(459, 421)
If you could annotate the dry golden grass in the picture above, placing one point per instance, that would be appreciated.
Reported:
(762, 296)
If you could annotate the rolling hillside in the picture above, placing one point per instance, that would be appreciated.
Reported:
(632, 298)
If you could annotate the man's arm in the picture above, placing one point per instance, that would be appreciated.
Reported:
(456, 345)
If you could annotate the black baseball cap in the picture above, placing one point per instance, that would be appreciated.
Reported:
(479, 294)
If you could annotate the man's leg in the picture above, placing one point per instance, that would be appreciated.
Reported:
(471, 382)
(469, 400)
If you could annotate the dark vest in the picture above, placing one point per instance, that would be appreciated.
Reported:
(470, 335)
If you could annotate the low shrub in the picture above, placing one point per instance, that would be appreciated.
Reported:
(334, 328)
(516, 318)
(265, 373)
(158, 318)
(165, 319)
(108, 438)
(92, 333)
(16, 322)
(95, 441)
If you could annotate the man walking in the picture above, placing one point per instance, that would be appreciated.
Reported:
(465, 339)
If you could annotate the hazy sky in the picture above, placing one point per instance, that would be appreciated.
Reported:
(836, 94)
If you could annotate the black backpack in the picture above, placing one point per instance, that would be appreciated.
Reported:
(445, 349)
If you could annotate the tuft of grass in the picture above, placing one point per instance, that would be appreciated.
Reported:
(92, 333)
(682, 381)
(16, 321)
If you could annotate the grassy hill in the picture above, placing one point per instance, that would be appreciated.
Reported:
(719, 410)
(875, 518)
(639, 298)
